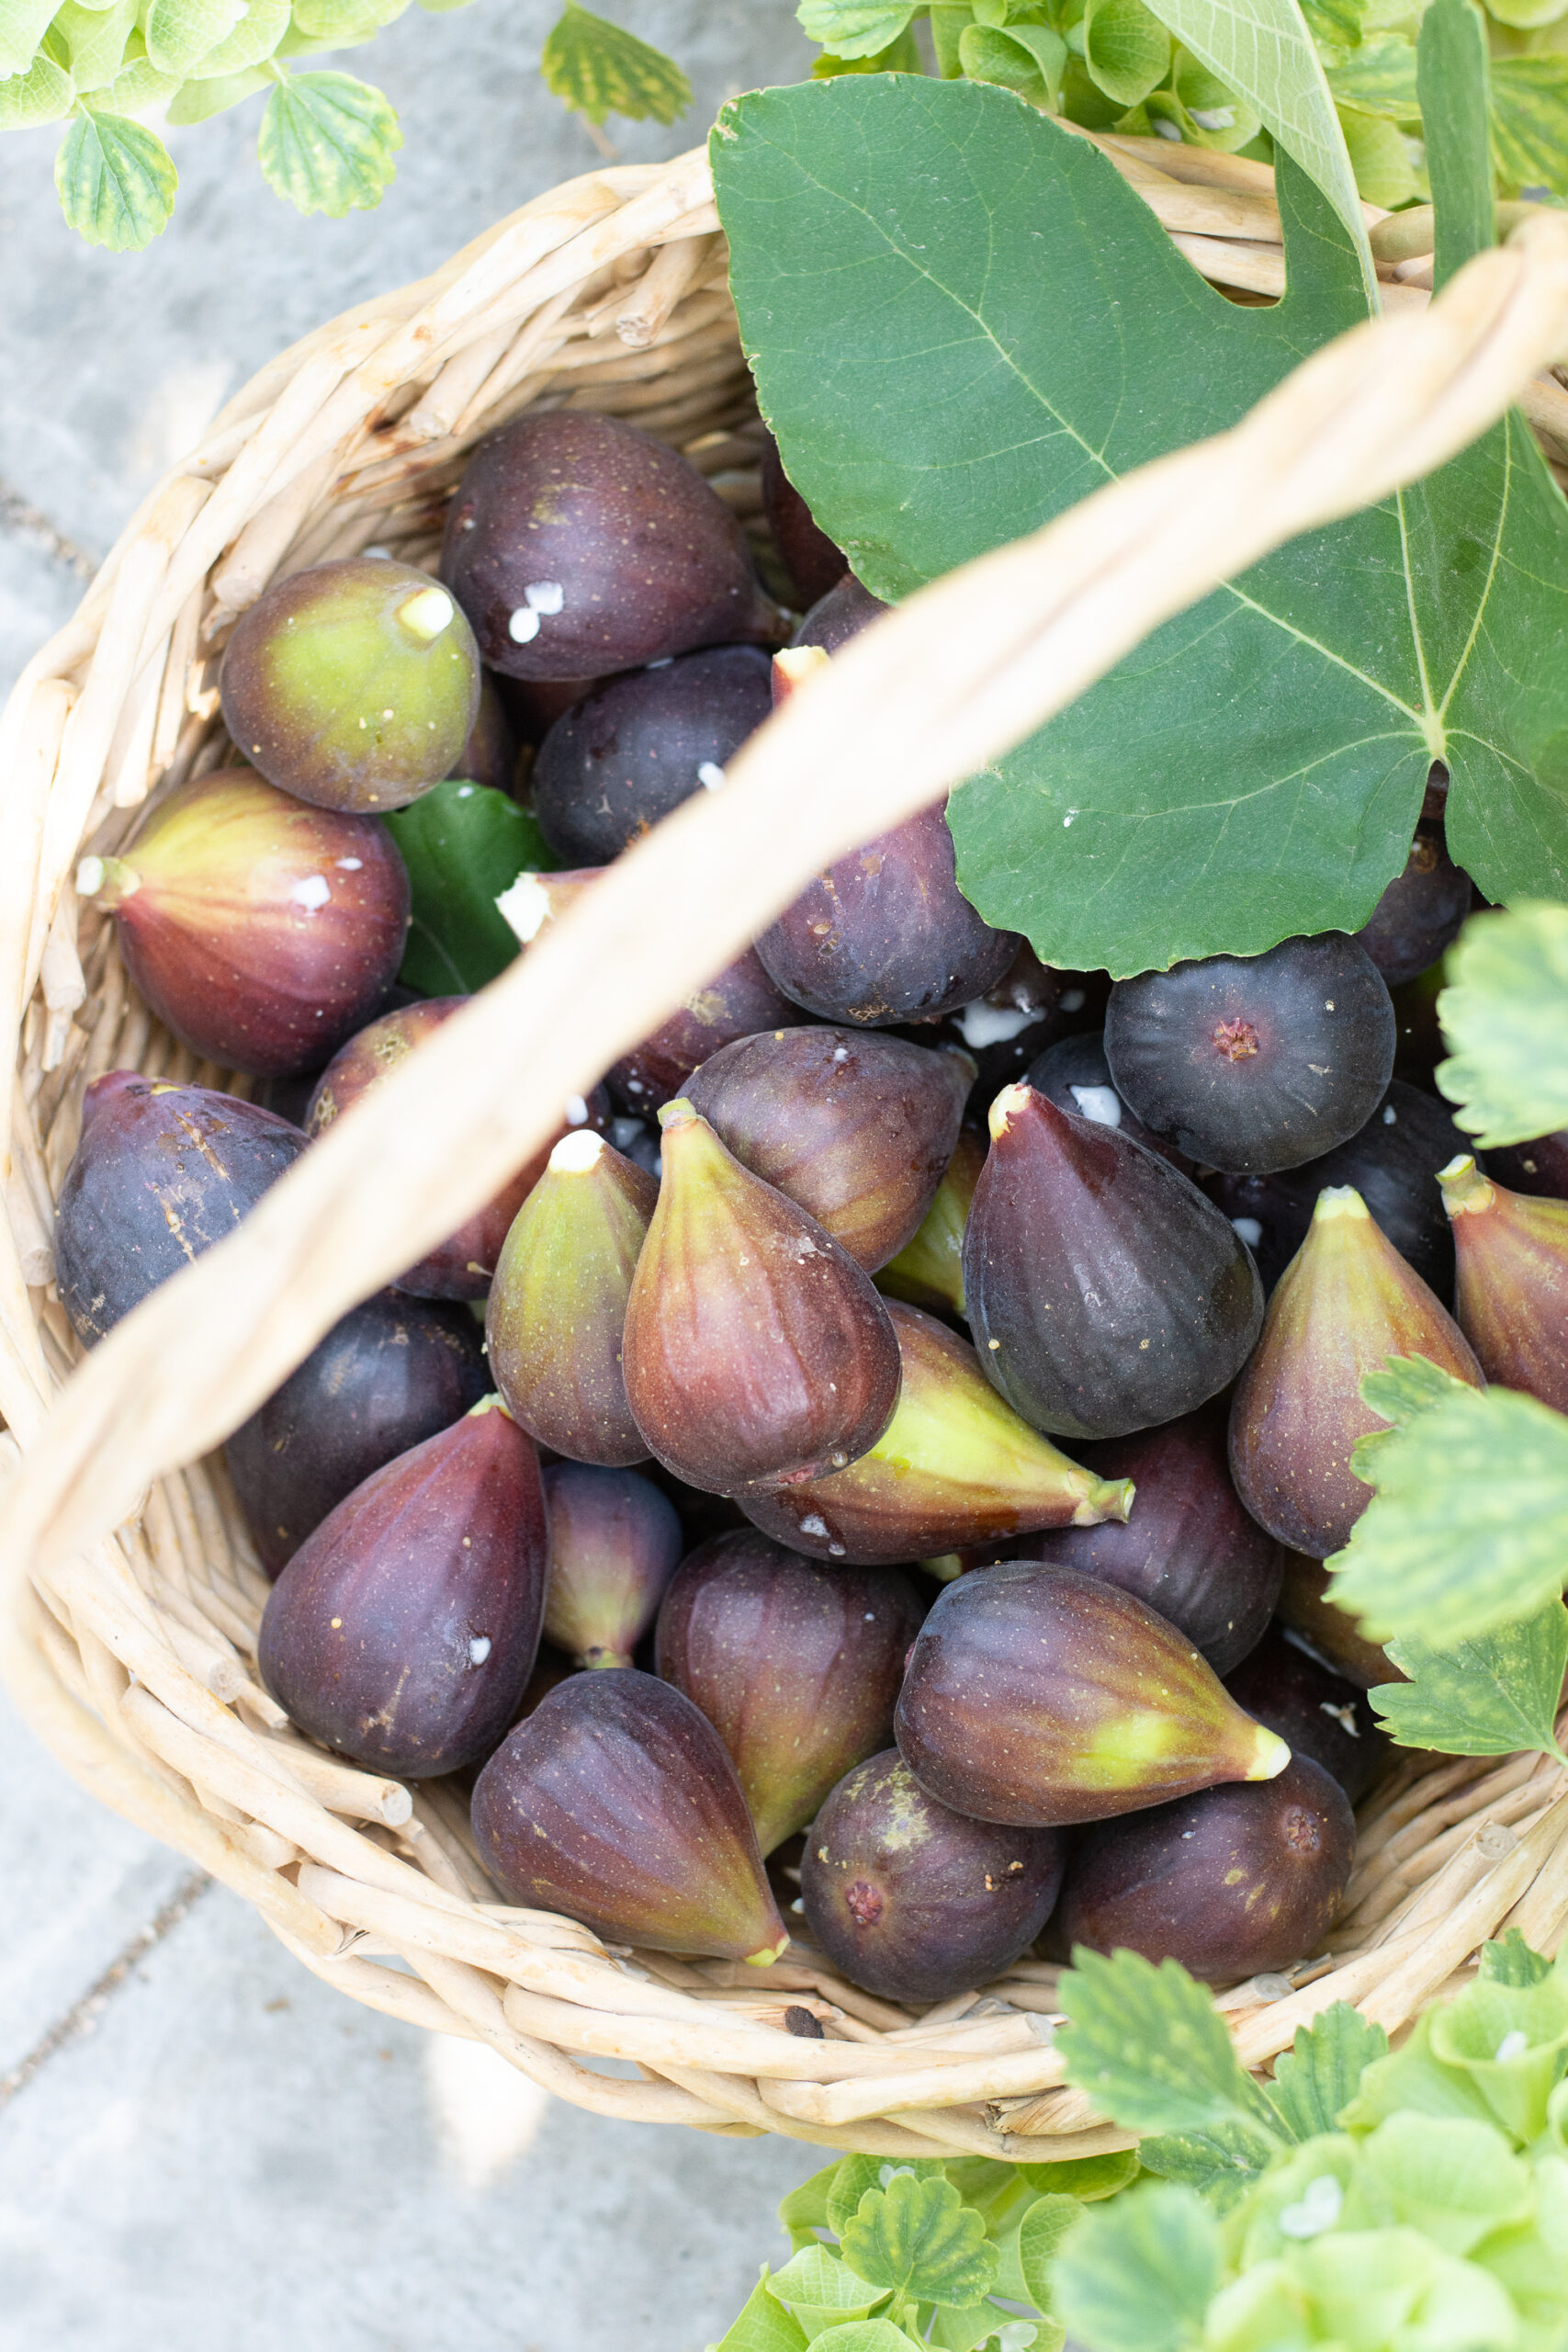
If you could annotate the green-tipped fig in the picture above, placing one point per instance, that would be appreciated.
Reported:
(615, 1542)
(955, 1466)
(615, 1802)
(1345, 1304)
(854, 1126)
(557, 1306)
(757, 1351)
(1039, 1697)
(913, 1901)
(797, 1666)
(928, 1271)
(1512, 1291)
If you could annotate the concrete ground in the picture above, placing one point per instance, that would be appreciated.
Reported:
(200, 2144)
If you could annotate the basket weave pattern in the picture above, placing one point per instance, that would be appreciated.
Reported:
(132, 1653)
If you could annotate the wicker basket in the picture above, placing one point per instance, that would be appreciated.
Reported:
(133, 1598)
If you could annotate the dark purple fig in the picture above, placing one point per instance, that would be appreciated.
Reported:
(885, 934)
(353, 685)
(261, 931)
(1421, 912)
(615, 1803)
(1188, 1549)
(1345, 1303)
(1316, 1712)
(392, 1373)
(489, 755)
(1327, 1632)
(640, 743)
(1032, 1008)
(929, 1270)
(1513, 1281)
(757, 1351)
(857, 1128)
(463, 1266)
(841, 613)
(160, 1174)
(615, 1542)
(914, 1902)
(1256, 1062)
(813, 562)
(557, 1306)
(1420, 1045)
(955, 1466)
(403, 1631)
(795, 1666)
(1076, 1076)
(1105, 1292)
(1393, 1163)
(1040, 1697)
(578, 546)
(738, 1002)
(1538, 1167)
(534, 705)
(1231, 1882)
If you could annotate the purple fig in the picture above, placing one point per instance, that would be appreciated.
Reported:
(463, 1266)
(1513, 1281)
(955, 1466)
(1345, 1303)
(1421, 912)
(261, 931)
(813, 562)
(1189, 1550)
(854, 1128)
(392, 1373)
(1032, 1008)
(1106, 1294)
(838, 614)
(403, 1631)
(615, 1542)
(795, 1666)
(1040, 1697)
(929, 1270)
(1076, 1076)
(885, 934)
(534, 705)
(578, 546)
(353, 685)
(737, 1003)
(914, 1902)
(489, 755)
(1327, 1632)
(1540, 1166)
(1231, 1882)
(557, 1306)
(615, 1803)
(757, 1351)
(160, 1174)
(1316, 1712)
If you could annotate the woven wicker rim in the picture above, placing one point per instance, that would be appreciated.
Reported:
(133, 1595)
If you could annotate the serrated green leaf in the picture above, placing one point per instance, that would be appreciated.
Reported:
(901, 56)
(857, 2173)
(198, 101)
(1150, 2048)
(804, 2211)
(343, 23)
(1505, 1019)
(1040, 2237)
(462, 845)
(1088, 2179)
(327, 144)
(1496, 1695)
(115, 182)
(1318, 2077)
(1379, 78)
(1406, 1385)
(23, 23)
(45, 93)
(94, 41)
(994, 2189)
(255, 38)
(139, 87)
(821, 2289)
(762, 2325)
(1222, 2163)
(1529, 122)
(1136, 2274)
(1510, 1961)
(917, 2238)
(179, 33)
(599, 69)
(853, 29)
(1412, 2080)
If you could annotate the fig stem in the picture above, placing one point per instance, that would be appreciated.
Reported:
(1269, 1755)
(109, 880)
(426, 613)
(1466, 1192)
(1107, 1499)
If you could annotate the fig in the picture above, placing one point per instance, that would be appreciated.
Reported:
(795, 1666)
(1231, 1882)
(615, 1542)
(353, 685)
(557, 1306)
(914, 1902)
(854, 1128)
(534, 705)
(392, 1373)
(578, 546)
(160, 1174)
(809, 556)
(615, 1802)
(1540, 1166)
(1513, 1281)
(403, 1631)
(885, 934)
(489, 755)
(740, 1001)
(1420, 913)
(1188, 1549)
(261, 931)
(1317, 1624)
(929, 1270)
(841, 613)
(1345, 1304)
(1316, 1712)
(956, 1466)
(640, 743)
(1251, 1063)
(1105, 1292)
(1032, 1008)
(756, 1351)
(1074, 1075)
(463, 1266)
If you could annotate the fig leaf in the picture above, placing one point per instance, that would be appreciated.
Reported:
(463, 845)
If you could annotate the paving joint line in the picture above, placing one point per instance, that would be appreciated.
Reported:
(17, 514)
(82, 2015)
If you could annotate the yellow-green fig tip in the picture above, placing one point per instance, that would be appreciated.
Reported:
(770, 1952)
(1010, 1100)
(1269, 1755)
